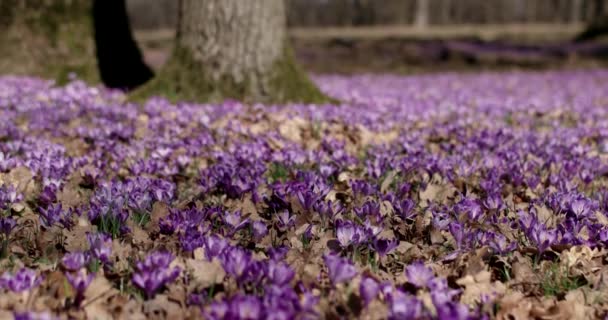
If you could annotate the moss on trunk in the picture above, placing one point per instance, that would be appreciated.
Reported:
(184, 79)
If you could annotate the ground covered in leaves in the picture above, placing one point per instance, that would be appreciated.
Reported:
(443, 196)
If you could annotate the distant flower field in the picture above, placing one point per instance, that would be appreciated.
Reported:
(448, 196)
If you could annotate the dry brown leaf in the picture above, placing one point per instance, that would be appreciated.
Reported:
(291, 129)
(513, 306)
(436, 192)
(582, 260)
(522, 269)
(160, 210)
(479, 286)
(162, 308)
(386, 209)
(76, 239)
(545, 215)
(22, 179)
(205, 273)
(390, 177)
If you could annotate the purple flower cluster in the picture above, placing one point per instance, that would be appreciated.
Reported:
(452, 162)
(22, 280)
(154, 272)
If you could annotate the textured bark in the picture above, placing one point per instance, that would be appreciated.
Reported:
(231, 49)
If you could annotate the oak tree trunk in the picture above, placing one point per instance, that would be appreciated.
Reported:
(232, 49)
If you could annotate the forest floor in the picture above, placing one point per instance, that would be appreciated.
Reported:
(410, 50)
(450, 196)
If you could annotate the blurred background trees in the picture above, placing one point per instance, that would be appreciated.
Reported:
(308, 13)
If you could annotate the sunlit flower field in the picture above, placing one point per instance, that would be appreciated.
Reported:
(447, 196)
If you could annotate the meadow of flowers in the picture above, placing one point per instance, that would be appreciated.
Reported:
(448, 196)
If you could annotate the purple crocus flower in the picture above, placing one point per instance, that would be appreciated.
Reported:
(500, 246)
(246, 308)
(347, 233)
(9, 196)
(278, 253)
(339, 269)
(235, 221)
(542, 237)
(30, 315)
(259, 230)
(419, 275)
(441, 292)
(217, 310)
(74, 261)
(235, 261)
(579, 208)
(51, 215)
(368, 289)
(279, 273)
(285, 220)
(452, 310)
(385, 246)
(7, 224)
(405, 209)
(404, 306)
(458, 232)
(100, 246)
(155, 272)
(80, 281)
(214, 246)
(22, 280)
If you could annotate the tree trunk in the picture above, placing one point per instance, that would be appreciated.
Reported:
(231, 49)
(421, 20)
(54, 39)
(118, 57)
(598, 25)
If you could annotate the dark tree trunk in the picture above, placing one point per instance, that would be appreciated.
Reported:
(54, 39)
(231, 49)
(598, 27)
(118, 57)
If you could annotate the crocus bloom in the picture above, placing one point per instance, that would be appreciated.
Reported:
(279, 273)
(235, 261)
(22, 280)
(542, 237)
(214, 246)
(347, 233)
(155, 272)
(100, 246)
(234, 220)
(80, 281)
(339, 269)
(29, 315)
(404, 306)
(385, 246)
(74, 261)
(418, 274)
(246, 308)
(6, 225)
(260, 230)
(368, 289)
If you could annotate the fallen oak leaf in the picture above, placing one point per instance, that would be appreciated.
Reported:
(480, 287)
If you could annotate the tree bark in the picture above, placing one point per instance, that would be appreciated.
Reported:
(421, 20)
(231, 49)
(119, 60)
